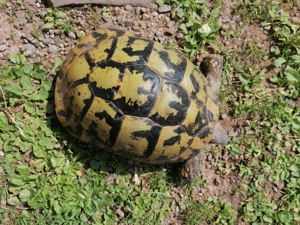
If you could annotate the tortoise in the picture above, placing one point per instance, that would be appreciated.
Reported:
(136, 98)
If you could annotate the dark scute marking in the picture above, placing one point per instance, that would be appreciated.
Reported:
(179, 130)
(66, 113)
(119, 32)
(63, 113)
(142, 54)
(83, 45)
(175, 105)
(87, 105)
(195, 84)
(114, 122)
(175, 139)
(111, 49)
(136, 109)
(107, 94)
(151, 136)
(113, 64)
(179, 69)
(77, 132)
(83, 80)
(92, 131)
(181, 108)
(210, 115)
(171, 141)
(198, 124)
(98, 36)
(142, 90)
(89, 60)
(205, 132)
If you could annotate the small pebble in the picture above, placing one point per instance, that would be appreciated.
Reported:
(158, 33)
(164, 8)
(145, 17)
(20, 20)
(295, 20)
(46, 41)
(120, 213)
(2, 48)
(143, 10)
(155, 14)
(209, 157)
(52, 48)
(30, 6)
(57, 39)
(72, 35)
(171, 31)
(128, 7)
(171, 23)
(161, 40)
(30, 50)
(128, 23)
(121, 11)
(43, 14)
(267, 28)
(138, 10)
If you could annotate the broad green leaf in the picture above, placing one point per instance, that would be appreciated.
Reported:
(279, 61)
(14, 89)
(48, 25)
(14, 58)
(39, 152)
(46, 142)
(183, 28)
(291, 74)
(22, 169)
(215, 12)
(3, 121)
(56, 206)
(27, 69)
(24, 195)
(16, 181)
(38, 164)
(13, 201)
(57, 162)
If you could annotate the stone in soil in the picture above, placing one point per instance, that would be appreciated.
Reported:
(53, 48)
(164, 8)
(2, 48)
(30, 50)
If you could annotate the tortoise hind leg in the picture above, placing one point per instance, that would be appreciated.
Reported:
(192, 168)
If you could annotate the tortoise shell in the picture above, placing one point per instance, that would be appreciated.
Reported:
(135, 97)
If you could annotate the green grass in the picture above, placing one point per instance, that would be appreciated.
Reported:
(43, 175)
(48, 177)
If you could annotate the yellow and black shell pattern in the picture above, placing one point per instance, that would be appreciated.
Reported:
(134, 97)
